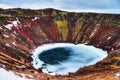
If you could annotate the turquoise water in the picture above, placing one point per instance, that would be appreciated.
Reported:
(54, 56)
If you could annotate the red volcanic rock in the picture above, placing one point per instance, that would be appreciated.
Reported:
(24, 30)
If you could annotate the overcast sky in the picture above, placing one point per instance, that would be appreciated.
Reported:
(103, 6)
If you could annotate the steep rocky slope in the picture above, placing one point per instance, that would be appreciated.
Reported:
(22, 30)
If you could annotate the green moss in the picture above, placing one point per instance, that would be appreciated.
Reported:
(63, 28)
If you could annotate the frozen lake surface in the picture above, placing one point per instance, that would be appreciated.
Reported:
(65, 58)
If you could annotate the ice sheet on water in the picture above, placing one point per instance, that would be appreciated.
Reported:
(81, 55)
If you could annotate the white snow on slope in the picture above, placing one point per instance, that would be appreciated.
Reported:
(9, 75)
(12, 23)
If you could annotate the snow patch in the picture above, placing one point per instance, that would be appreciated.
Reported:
(14, 43)
(108, 38)
(35, 18)
(7, 44)
(13, 23)
(8, 26)
(9, 75)
(6, 36)
(118, 74)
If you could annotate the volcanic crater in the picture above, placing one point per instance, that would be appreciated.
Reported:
(23, 30)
